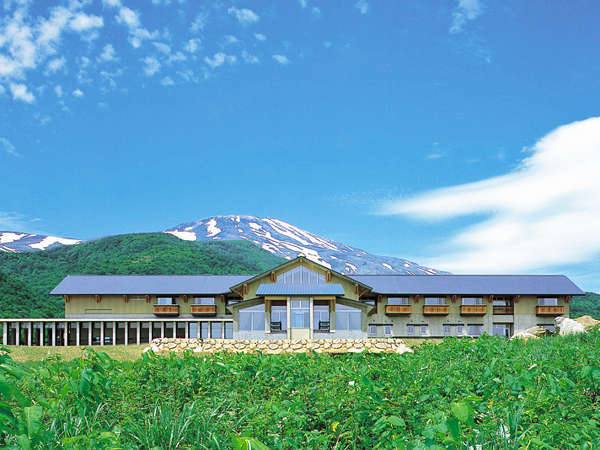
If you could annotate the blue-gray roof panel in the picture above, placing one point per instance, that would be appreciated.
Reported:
(300, 289)
(147, 284)
(471, 284)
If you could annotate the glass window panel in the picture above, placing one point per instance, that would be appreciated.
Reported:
(164, 301)
(228, 330)
(215, 330)
(372, 330)
(547, 301)
(193, 332)
(472, 301)
(447, 330)
(474, 330)
(204, 330)
(354, 321)
(204, 300)
(410, 329)
(435, 301)
(397, 300)
(424, 330)
(245, 320)
(459, 329)
(387, 330)
(301, 275)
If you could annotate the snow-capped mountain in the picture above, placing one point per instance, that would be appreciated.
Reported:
(14, 242)
(286, 240)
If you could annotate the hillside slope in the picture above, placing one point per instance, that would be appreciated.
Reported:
(152, 254)
(589, 304)
(286, 240)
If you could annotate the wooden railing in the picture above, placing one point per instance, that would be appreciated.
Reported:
(203, 310)
(473, 310)
(550, 310)
(504, 310)
(439, 310)
(397, 309)
(166, 310)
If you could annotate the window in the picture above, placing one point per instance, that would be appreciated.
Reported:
(547, 301)
(502, 301)
(204, 330)
(301, 275)
(387, 330)
(193, 330)
(424, 330)
(410, 330)
(435, 301)
(204, 300)
(501, 329)
(459, 330)
(320, 315)
(397, 300)
(215, 329)
(252, 318)
(446, 330)
(136, 299)
(347, 318)
(279, 317)
(472, 301)
(300, 314)
(474, 330)
(372, 330)
(228, 330)
(165, 301)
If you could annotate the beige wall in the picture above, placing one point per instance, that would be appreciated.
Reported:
(86, 306)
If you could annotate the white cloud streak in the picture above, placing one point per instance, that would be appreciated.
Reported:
(544, 214)
(281, 59)
(243, 15)
(219, 59)
(362, 6)
(8, 148)
(466, 11)
(151, 65)
(20, 92)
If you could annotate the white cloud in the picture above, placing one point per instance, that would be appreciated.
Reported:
(465, 11)
(78, 93)
(167, 81)
(58, 90)
(250, 59)
(192, 46)
(128, 17)
(137, 33)
(162, 47)
(302, 3)
(11, 221)
(243, 15)
(20, 92)
(543, 214)
(281, 59)
(362, 6)
(83, 22)
(151, 65)
(108, 54)
(8, 147)
(435, 156)
(55, 65)
(230, 39)
(199, 23)
(260, 37)
(315, 11)
(219, 59)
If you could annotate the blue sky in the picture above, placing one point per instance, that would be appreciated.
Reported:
(372, 123)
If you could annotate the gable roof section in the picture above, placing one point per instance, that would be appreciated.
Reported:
(471, 284)
(300, 289)
(301, 259)
(147, 284)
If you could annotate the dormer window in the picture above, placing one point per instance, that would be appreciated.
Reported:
(301, 275)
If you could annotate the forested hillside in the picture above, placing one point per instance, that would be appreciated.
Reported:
(588, 304)
(28, 277)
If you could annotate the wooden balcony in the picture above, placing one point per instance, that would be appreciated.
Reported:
(203, 310)
(550, 310)
(473, 310)
(166, 310)
(504, 310)
(435, 310)
(392, 310)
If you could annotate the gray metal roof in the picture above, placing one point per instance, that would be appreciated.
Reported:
(300, 289)
(147, 284)
(471, 284)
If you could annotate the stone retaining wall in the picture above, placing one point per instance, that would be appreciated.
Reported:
(374, 345)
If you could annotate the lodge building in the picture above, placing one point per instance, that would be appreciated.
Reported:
(298, 299)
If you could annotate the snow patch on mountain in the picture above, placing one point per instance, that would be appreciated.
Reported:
(15, 242)
(288, 241)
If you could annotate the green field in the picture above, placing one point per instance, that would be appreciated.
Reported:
(454, 394)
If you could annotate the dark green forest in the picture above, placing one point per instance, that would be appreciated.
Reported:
(588, 304)
(26, 278)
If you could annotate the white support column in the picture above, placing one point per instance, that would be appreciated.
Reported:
(102, 333)
(66, 334)
(18, 334)
(311, 317)
(5, 333)
(42, 333)
(199, 325)
(29, 333)
(187, 335)
(289, 317)
(151, 331)
(53, 334)
(138, 331)
(90, 333)
(78, 334)
(114, 333)
(162, 329)
(222, 330)
(126, 333)
(174, 329)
